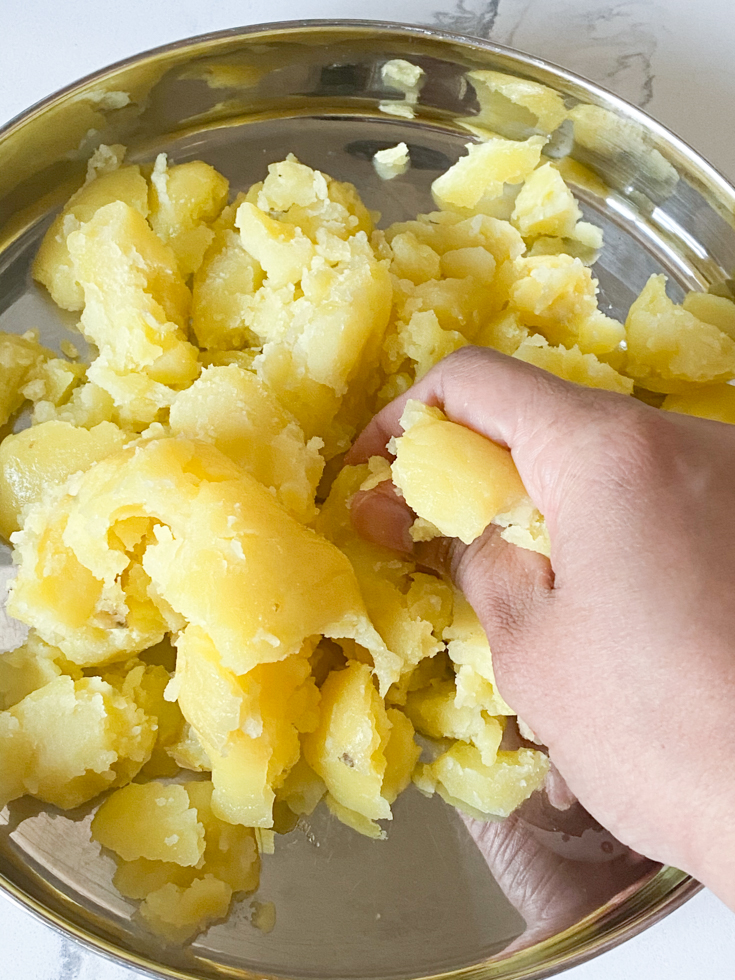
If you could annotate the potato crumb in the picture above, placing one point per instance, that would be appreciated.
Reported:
(392, 162)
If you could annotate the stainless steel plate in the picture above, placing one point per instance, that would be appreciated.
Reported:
(441, 896)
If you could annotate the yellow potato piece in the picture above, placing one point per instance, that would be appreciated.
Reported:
(434, 712)
(469, 651)
(214, 530)
(404, 609)
(347, 749)
(46, 456)
(223, 288)
(184, 200)
(152, 821)
(572, 365)
(230, 408)
(30, 667)
(545, 106)
(70, 740)
(139, 326)
(485, 169)
(669, 348)
(462, 779)
(717, 310)
(456, 479)
(545, 205)
(19, 357)
(715, 402)
(178, 914)
(249, 725)
(53, 265)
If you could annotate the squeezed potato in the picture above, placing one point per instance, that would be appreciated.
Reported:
(197, 596)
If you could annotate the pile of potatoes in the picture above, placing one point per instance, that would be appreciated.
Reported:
(198, 601)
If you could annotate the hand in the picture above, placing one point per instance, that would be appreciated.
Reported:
(620, 651)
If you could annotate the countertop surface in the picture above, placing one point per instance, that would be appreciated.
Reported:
(673, 57)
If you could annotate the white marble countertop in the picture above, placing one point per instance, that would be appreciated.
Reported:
(672, 57)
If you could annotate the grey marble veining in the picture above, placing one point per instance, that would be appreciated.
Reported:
(613, 43)
(469, 17)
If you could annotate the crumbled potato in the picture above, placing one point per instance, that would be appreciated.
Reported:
(391, 162)
(545, 106)
(19, 357)
(183, 201)
(54, 266)
(717, 310)
(570, 363)
(669, 348)
(197, 595)
(230, 408)
(485, 169)
(71, 739)
(461, 778)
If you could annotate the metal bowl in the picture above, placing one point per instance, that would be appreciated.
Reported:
(442, 896)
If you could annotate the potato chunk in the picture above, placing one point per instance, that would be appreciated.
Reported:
(348, 747)
(463, 780)
(545, 106)
(717, 310)
(485, 169)
(30, 667)
(669, 348)
(715, 402)
(434, 712)
(184, 200)
(19, 356)
(545, 205)
(476, 483)
(570, 363)
(53, 266)
(139, 326)
(152, 821)
(469, 651)
(70, 740)
(230, 408)
(178, 914)
(249, 725)
(224, 287)
(206, 557)
(46, 456)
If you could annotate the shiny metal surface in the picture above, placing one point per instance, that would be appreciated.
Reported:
(442, 896)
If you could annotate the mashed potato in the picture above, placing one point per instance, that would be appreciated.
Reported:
(196, 595)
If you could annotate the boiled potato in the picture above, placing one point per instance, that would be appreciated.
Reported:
(715, 402)
(71, 739)
(476, 484)
(230, 408)
(545, 106)
(19, 357)
(46, 456)
(669, 348)
(53, 265)
(485, 169)
(570, 363)
(139, 326)
(461, 777)
(184, 200)
(205, 514)
(197, 594)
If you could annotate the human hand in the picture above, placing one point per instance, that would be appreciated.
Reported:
(620, 651)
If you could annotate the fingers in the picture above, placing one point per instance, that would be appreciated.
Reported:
(506, 585)
(506, 400)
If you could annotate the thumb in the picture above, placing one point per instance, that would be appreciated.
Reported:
(508, 587)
